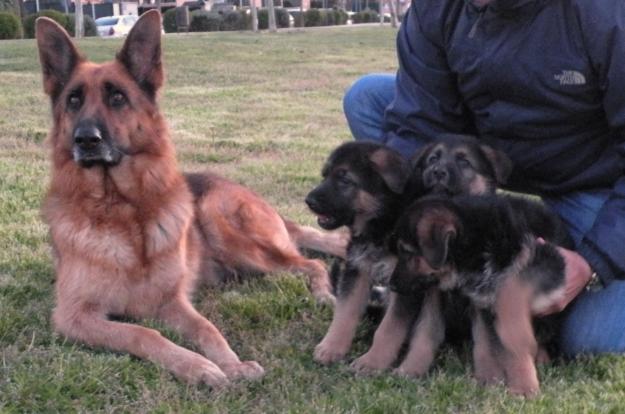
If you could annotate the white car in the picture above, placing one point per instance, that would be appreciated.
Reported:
(115, 25)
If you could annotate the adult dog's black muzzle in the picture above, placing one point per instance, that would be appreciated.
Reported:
(92, 146)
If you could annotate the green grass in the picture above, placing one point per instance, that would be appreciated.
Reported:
(264, 110)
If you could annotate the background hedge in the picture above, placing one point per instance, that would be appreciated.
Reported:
(89, 28)
(29, 21)
(366, 16)
(203, 21)
(10, 26)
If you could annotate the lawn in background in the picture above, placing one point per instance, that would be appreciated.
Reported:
(264, 110)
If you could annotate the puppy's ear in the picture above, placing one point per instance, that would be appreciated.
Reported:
(501, 164)
(58, 55)
(436, 231)
(141, 53)
(392, 167)
(418, 159)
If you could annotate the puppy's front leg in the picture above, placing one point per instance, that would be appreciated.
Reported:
(180, 315)
(513, 325)
(429, 333)
(390, 335)
(487, 368)
(95, 330)
(352, 299)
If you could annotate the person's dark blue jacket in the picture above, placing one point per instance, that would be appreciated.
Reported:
(542, 80)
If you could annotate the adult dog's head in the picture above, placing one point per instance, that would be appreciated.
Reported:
(361, 182)
(103, 112)
(459, 164)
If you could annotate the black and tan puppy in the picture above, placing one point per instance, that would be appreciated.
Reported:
(485, 248)
(363, 189)
(452, 164)
(456, 164)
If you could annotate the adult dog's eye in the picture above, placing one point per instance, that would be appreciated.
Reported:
(74, 101)
(117, 100)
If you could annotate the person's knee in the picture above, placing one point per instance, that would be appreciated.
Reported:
(364, 104)
(359, 94)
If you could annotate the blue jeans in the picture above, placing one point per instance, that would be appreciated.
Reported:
(595, 322)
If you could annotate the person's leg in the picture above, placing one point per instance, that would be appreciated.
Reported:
(364, 104)
(595, 322)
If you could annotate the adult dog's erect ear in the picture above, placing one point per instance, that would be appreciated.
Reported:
(501, 164)
(392, 167)
(141, 53)
(436, 231)
(58, 55)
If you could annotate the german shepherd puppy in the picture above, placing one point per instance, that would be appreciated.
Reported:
(362, 188)
(485, 248)
(130, 233)
(452, 164)
(456, 164)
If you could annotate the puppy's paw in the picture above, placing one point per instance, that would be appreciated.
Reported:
(368, 364)
(489, 376)
(327, 354)
(250, 370)
(410, 372)
(528, 387)
(324, 297)
(527, 391)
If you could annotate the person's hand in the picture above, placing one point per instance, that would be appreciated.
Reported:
(577, 274)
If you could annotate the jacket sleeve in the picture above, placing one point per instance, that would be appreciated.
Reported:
(427, 101)
(603, 31)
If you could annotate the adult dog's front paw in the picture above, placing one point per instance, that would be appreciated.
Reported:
(250, 370)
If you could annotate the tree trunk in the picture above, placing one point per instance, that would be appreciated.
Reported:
(79, 25)
(272, 16)
(301, 13)
(158, 6)
(254, 15)
(391, 4)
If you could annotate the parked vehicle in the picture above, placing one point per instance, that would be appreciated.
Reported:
(115, 25)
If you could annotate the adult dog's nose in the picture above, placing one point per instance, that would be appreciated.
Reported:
(87, 136)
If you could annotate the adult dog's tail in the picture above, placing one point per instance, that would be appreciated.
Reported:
(330, 242)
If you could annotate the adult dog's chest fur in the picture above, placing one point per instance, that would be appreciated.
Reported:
(117, 257)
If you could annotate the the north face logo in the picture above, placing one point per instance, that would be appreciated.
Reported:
(570, 77)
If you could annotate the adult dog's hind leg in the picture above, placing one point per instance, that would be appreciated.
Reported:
(95, 330)
(180, 315)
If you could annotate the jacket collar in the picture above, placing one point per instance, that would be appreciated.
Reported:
(508, 7)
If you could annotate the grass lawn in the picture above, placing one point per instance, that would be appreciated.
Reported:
(264, 110)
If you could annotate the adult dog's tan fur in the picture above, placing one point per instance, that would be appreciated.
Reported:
(131, 234)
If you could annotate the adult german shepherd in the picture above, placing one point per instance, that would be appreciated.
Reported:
(130, 233)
